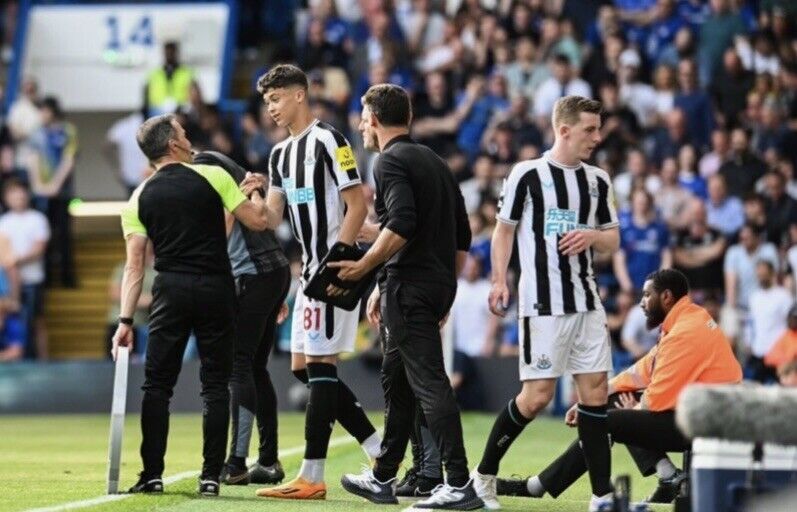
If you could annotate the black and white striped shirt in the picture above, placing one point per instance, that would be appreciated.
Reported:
(310, 170)
(546, 199)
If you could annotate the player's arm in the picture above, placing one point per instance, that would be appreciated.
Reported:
(356, 211)
(500, 253)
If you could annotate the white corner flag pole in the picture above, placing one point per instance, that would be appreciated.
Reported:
(117, 419)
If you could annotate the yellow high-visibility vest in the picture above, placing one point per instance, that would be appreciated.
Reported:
(161, 90)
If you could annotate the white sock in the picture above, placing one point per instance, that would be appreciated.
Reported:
(312, 470)
(665, 469)
(534, 485)
(372, 446)
(605, 497)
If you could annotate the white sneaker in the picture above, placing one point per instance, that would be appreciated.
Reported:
(486, 489)
(601, 504)
(446, 497)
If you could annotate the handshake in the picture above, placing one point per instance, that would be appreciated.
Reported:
(254, 182)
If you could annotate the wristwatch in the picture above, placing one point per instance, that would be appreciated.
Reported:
(125, 320)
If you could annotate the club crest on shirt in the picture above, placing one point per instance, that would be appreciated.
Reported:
(543, 363)
(309, 161)
(345, 157)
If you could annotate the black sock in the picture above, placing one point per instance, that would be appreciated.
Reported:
(321, 409)
(351, 415)
(301, 375)
(593, 432)
(509, 424)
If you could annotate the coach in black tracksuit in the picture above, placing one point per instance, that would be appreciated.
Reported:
(180, 209)
(424, 234)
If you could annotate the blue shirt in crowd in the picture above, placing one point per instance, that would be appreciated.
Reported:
(726, 217)
(643, 246)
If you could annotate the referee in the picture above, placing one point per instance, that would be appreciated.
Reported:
(181, 210)
(423, 241)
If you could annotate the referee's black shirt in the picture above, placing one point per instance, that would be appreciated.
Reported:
(418, 199)
(181, 209)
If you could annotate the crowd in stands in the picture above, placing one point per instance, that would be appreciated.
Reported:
(699, 135)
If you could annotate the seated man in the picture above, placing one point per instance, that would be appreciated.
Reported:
(692, 349)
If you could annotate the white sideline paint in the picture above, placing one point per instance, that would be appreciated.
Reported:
(99, 500)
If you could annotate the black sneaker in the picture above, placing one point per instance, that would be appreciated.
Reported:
(147, 484)
(668, 488)
(208, 487)
(445, 497)
(513, 487)
(414, 485)
(260, 474)
(233, 475)
(367, 486)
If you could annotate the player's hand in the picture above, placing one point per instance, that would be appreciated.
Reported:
(253, 182)
(123, 337)
(368, 233)
(576, 241)
(499, 299)
(571, 417)
(283, 313)
(372, 309)
(626, 401)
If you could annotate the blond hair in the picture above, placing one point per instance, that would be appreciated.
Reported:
(568, 109)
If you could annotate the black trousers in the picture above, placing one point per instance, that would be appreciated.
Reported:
(59, 250)
(412, 369)
(648, 436)
(181, 303)
(252, 394)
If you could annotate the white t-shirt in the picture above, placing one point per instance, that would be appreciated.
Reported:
(768, 311)
(24, 230)
(551, 90)
(132, 161)
(742, 265)
(622, 187)
(636, 328)
(470, 314)
(641, 98)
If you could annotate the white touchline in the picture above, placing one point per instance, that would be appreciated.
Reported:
(99, 500)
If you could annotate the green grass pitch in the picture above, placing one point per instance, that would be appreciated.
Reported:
(49, 461)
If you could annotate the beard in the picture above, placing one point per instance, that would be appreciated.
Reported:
(654, 315)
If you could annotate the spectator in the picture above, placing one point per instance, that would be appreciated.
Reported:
(637, 173)
(640, 97)
(28, 232)
(781, 209)
(24, 118)
(318, 52)
(683, 47)
(673, 199)
(435, 124)
(711, 162)
(423, 26)
(9, 170)
(770, 133)
(605, 61)
(564, 82)
(620, 129)
(52, 179)
(716, 35)
(123, 152)
(688, 176)
(665, 25)
(12, 336)
(739, 266)
(755, 211)
(476, 107)
(724, 213)
(784, 350)
(667, 140)
(141, 314)
(665, 84)
(730, 90)
(616, 315)
(698, 252)
(520, 72)
(695, 103)
(475, 328)
(482, 186)
(769, 309)
(168, 87)
(742, 169)
(759, 57)
(9, 277)
(636, 337)
(644, 243)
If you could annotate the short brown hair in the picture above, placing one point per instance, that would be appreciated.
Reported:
(154, 135)
(282, 75)
(568, 110)
(389, 103)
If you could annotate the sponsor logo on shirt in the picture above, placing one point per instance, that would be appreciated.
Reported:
(559, 221)
(345, 158)
(295, 195)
